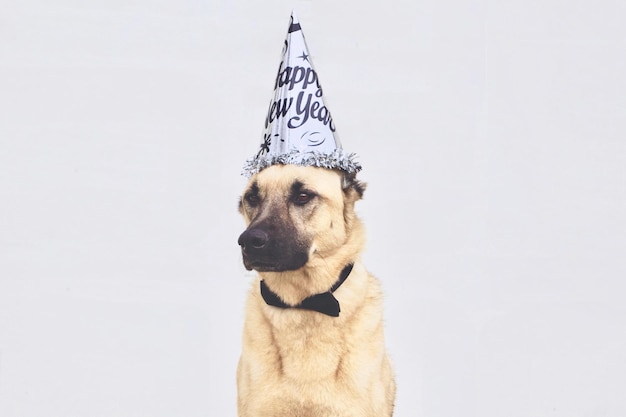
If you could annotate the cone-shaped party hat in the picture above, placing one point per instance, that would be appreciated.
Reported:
(299, 129)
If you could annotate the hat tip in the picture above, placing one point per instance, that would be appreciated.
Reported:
(294, 24)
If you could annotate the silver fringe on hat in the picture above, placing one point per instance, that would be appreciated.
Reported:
(338, 159)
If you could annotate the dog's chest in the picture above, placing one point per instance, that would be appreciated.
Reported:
(310, 346)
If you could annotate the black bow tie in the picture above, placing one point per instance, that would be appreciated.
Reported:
(324, 303)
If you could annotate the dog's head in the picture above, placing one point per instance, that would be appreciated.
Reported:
(294, 213)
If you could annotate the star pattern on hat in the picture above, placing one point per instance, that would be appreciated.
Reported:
(265, 146)
(304, 56)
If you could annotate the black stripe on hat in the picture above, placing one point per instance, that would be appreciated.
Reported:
(294, 27)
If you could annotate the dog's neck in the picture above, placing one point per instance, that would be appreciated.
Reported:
(320, 272)
(324, 303)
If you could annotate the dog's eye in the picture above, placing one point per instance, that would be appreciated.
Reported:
(302, 198)
(252, 199)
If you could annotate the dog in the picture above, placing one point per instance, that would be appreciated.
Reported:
(313, 342)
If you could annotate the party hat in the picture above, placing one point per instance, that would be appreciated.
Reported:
(299, 128)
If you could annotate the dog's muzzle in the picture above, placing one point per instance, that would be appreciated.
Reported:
(263, 252)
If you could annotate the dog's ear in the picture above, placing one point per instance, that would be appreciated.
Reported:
(353, 189)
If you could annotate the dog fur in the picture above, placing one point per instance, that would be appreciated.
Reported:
(301, 363)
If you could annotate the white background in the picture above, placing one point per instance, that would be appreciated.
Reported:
(493, 136)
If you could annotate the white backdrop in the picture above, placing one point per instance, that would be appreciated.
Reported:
(493, 136)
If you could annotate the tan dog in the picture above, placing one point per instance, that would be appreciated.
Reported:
(302, 237)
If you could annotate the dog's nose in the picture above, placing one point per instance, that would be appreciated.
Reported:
(253, 239)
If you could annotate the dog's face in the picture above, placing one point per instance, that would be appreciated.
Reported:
(294, 213)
